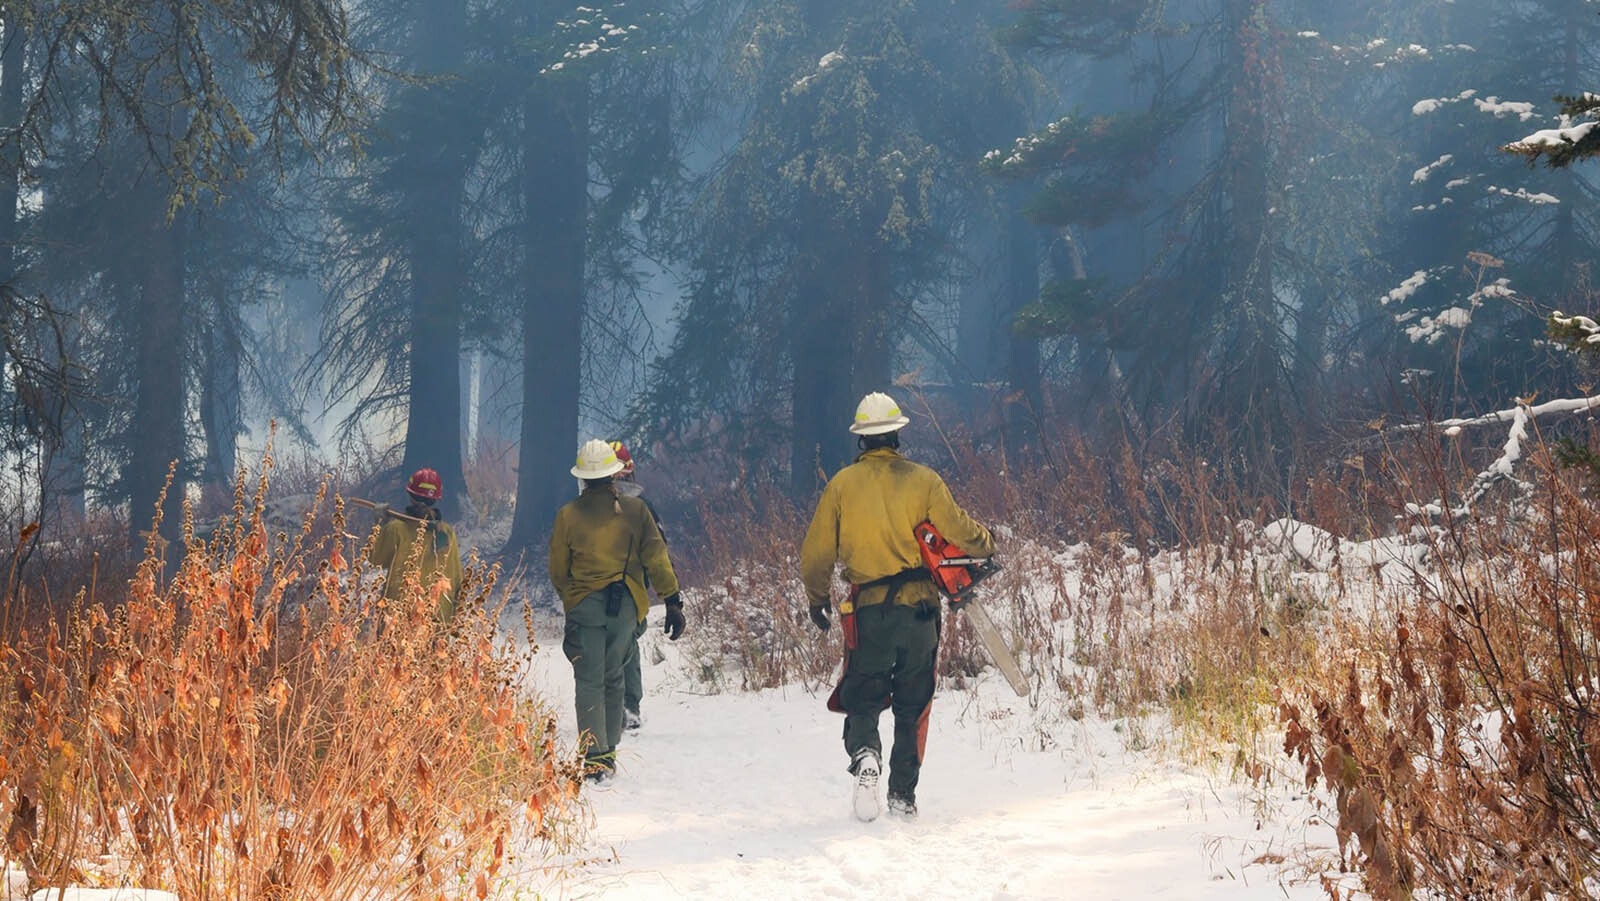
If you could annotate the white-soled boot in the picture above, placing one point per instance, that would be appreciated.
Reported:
(865, 799)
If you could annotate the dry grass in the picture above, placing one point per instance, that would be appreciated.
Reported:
(491, 477)
(1457, 732)
(747, 560)
(263, 725)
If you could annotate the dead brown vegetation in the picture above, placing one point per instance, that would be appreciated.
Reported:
(1458, 736)
(264, 725)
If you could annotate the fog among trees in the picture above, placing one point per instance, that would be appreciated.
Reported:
(425, 231)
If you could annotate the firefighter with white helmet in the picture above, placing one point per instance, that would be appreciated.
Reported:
(605, 547)
(865, 520)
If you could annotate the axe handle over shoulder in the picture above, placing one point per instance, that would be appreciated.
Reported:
(371, 505)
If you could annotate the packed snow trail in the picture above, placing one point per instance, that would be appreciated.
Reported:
(745, 795)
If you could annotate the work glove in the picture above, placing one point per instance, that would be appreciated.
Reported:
(675, 622)
(819, 615)
(380, 513)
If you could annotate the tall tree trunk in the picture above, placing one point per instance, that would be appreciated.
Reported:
(13, 55)
(979, 319)
(555, 165)
(823, 333)
(823, 328)
(1251, 382)
(158, 427)
(220, 417)
(433, 409)
(872, 359)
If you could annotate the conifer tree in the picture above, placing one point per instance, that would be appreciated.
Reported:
(818, 240)
(1197, 296)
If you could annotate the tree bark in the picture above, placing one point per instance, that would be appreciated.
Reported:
(433, 408)
(12, 72)
(220, 417)
(823, 333)
(978, 320)
(159, 436)
(555, 209)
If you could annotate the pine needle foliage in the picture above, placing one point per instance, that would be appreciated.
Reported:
(308, 94)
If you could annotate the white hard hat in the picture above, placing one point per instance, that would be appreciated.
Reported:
(596, 460)
(877, 414)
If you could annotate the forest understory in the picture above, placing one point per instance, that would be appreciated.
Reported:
(242, 717)
(1202, 306)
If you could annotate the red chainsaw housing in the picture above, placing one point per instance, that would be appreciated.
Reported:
(954, 571)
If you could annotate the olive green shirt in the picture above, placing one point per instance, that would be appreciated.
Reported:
(441, 554)
(601, 537)
(865, 520)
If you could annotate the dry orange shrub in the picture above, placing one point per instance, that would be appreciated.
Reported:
(1458, 739)
(263, 725)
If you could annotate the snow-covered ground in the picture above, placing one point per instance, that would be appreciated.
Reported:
(746, 796)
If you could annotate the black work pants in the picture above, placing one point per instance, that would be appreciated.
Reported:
(892, 666)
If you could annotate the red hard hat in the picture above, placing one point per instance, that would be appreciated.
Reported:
(425, 483)
(623, 457)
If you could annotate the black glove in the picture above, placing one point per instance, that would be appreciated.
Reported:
(819, 615)
(675, 622)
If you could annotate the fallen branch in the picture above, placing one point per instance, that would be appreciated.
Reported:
(1560, 405)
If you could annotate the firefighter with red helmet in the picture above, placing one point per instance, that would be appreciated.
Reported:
(633, 676)
(439, 555)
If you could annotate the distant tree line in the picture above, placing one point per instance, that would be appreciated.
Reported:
(1230, 224)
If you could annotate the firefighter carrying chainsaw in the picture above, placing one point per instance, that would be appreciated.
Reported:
(867, 520)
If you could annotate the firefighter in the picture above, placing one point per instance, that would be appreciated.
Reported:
(633, 677)
(865, 521)
(603, 547)
(440, 553)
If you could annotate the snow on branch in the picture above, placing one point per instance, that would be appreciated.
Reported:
(1498, 108)
(828, 61)
(1424, 107)
(1552, 138)
(1574, 139)
(1421, 175)
(1026, 148)
(589, 32)
(1538, 199)
(1502, 469)
(1498, 471)
(1549, 407)
(1407, 287)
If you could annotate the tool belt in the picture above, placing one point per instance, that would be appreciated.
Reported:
(847, 610)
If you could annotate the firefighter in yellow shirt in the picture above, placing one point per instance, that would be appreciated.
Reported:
(603, 547)
(440, 553)
(865, 521)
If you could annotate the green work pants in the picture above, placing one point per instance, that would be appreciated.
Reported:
(596, 643)
(892, 666)
(633, 679)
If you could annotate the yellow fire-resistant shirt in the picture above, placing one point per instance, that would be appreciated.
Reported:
(440, 554)
(592, 545)
(865, 521)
